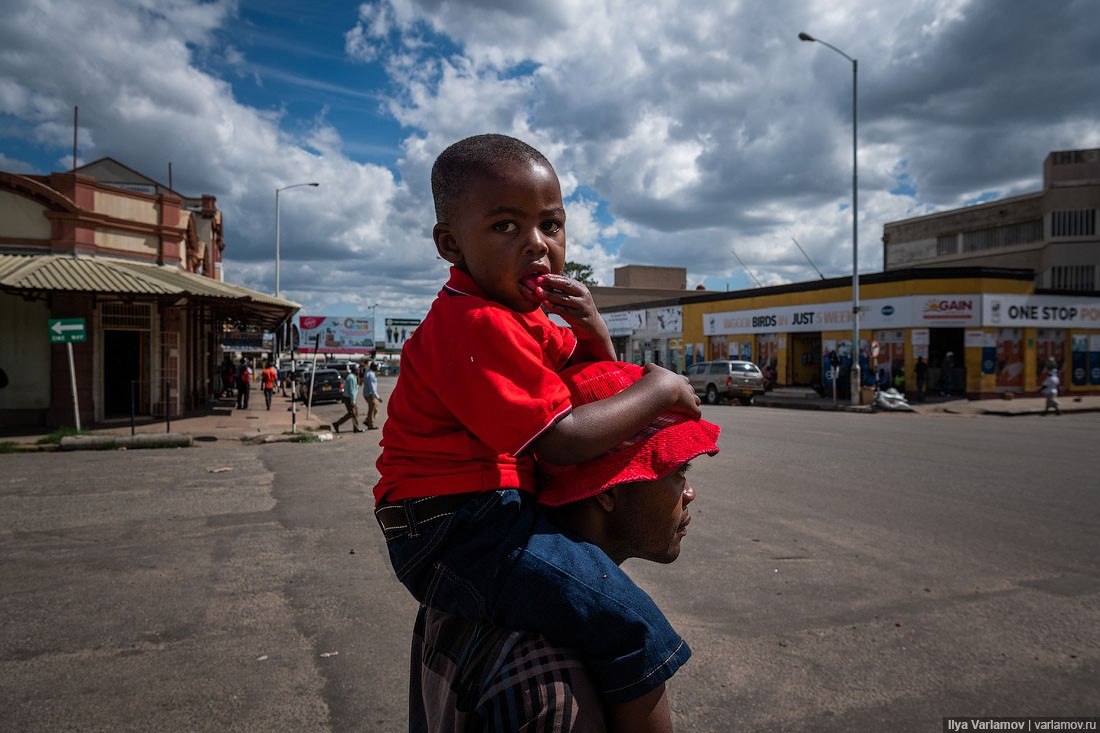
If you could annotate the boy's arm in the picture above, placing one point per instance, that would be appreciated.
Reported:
(573, 302)
(592, 429)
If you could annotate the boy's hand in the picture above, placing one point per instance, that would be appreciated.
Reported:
(573, 302)
(677, 385)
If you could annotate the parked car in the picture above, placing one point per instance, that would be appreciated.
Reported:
(731, 380)
(340, 366)
(328, 386)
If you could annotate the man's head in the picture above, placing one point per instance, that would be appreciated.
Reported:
(632, 501)
(500, 216)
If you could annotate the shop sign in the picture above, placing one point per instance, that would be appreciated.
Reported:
(1042, 311)
(948, 310)
(624, 323)
(811, 318)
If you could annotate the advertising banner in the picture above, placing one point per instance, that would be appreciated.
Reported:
(624, 323)
(1040, 311)
(398, 331)
(339, 334)
(669, 320)
(879, 313)
(1094, 359)
(1080, 356)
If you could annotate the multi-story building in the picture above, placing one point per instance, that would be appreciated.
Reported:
(132, 270)
(1052, 232)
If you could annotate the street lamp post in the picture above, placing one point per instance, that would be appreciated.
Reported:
(374, 328)
(277, 192)
(856, 382)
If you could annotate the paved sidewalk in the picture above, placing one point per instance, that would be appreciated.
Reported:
(221, 421)
(1018, 406)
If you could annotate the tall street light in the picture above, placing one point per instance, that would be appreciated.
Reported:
(856, 382)
(278, 349)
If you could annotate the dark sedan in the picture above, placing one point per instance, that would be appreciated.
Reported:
(328, 386)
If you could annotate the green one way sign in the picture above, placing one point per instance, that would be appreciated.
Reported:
(67, 331)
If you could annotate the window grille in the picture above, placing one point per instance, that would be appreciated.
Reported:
(947, 244)
(126, 317)
(170, 374)
(1009, 235)
(1073, 223)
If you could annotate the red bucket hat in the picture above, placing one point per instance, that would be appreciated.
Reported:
(656, 451)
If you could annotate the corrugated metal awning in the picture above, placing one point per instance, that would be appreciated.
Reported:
(41, 274)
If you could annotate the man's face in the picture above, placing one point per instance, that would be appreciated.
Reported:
(651, 517)
(506, 228)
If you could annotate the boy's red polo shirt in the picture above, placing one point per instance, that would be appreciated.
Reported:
(478, 385)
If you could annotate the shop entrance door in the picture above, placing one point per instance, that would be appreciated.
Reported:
(124, 362)
(805, 359)
(941, 342)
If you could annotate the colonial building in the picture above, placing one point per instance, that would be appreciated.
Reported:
(135, 267)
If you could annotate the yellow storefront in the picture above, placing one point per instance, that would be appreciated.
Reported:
(980, 332)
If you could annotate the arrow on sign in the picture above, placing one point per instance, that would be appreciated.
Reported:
(58, 328)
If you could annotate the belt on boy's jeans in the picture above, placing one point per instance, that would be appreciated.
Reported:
(407, 514)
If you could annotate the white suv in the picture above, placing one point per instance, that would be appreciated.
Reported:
(714, 380)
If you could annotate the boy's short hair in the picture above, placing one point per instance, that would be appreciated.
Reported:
(475, 156)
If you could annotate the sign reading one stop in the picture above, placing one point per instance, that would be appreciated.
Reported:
(67, 331)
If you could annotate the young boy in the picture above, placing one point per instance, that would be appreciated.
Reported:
(479, 396)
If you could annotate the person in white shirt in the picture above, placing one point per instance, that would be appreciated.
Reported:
(370, 394)
(1050, 389)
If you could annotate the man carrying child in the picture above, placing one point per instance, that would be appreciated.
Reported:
(480, 396)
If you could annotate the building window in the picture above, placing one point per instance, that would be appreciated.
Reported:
(1009, 235)
(1081, 278)
(1073, 223)
(947, 244)
(124, 317)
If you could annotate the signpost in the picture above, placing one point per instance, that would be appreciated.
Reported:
(69, 331)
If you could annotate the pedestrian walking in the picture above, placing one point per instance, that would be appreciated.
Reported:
(350, 398)
(1050, 389)
(269, 377)
(244, 384)
(228, 376)
(370, 394)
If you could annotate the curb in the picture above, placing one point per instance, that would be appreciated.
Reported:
(116, 442)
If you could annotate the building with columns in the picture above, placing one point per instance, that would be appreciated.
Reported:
(137, 267)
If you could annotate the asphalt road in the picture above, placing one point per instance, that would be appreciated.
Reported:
(842, 572)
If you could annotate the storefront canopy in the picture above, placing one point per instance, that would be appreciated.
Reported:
(39, 275)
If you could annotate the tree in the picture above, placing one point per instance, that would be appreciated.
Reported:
(581, 273)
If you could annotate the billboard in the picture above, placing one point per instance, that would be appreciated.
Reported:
(398, 331)
(339, 334)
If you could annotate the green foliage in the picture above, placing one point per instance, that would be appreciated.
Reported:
(581, 273)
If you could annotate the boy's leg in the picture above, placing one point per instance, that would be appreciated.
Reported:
(498, 559)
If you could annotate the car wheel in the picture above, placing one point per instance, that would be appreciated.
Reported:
(712, 395)
(746, 401)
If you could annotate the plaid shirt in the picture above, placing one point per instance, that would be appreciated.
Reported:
(470, 676)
